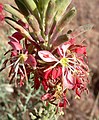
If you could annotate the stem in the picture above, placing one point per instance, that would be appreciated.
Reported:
(28, 98)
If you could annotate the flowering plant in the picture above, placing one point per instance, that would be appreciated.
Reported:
(39, 48)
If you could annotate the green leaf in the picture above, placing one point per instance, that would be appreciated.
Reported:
(61, 39)
(61, 7)
(32, 7)
(18, 27)
(10, 117)
(42, 6)
(22, 7)
(65, 19)
(50, 13)
(50, 10)
(34, 23)
(14, 12)
(82, 29)
(35, 26)
(30, 4)
(33, 117)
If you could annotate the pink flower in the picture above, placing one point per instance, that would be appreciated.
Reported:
(21, 62)
(71, 59)
(51, 77)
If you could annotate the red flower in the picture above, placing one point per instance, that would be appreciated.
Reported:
(20, 60)
(51, 77)
(70, 59)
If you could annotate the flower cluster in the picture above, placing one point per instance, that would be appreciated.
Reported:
(38, 47)
(67, 70)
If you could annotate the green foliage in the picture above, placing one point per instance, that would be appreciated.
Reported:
(14, 12)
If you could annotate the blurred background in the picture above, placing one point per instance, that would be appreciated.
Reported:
(87, 108)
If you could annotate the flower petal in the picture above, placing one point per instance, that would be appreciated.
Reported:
(47, 73)
(2, 17)
(44, 83)
(23, 24)
(17, 35)
(65, 47)
(81, 50)
(2, 14)
(67, 85)
(71, 41)
(36, 83)
(31, 61)
(54, 73)
(67, 81)
(63, 103)
(62, 50)
(46, 96)
(46, 56)
(69, 77)
(12, 38)
(15, 45)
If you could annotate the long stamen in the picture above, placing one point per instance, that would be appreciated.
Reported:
(10, 65)
(25, 72)
(71, 68)
(16, 70)
(16, 62)
(72, 62)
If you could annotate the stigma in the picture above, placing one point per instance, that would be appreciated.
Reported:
(64, 62)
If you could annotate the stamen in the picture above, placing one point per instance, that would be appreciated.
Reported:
(16, 70)
(22, 57)
(25, 73)
(64, 61)
(72, 68)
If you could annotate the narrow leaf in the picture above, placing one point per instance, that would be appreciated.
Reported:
(42, 6)
(30, 4)
(22, 7)
(18, 27)
(60, 40)
(14, 11)
(49, 15)
(82, 29)
(35, 26)
(61, 7)
(66, 19)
